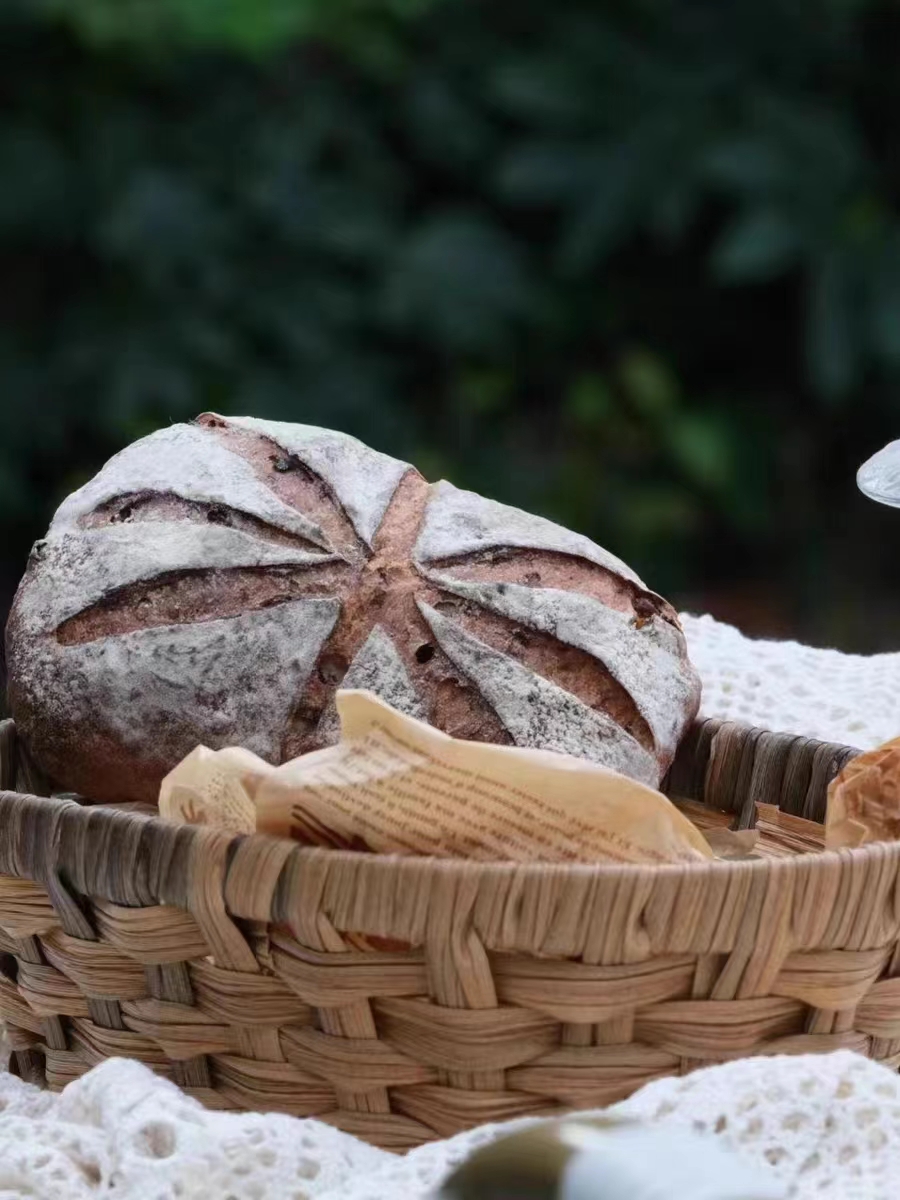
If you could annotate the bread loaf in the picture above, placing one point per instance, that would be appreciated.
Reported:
(216, 582)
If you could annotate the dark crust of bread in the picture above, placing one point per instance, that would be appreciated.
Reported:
(377, 587)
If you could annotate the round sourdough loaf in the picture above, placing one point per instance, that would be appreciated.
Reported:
(216, 582)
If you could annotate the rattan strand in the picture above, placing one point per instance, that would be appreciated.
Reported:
(481, 991)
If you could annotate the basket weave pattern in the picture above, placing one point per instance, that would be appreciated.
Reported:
(403, 999)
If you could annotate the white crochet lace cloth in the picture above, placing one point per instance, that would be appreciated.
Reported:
(827, 1126)
(849, 698)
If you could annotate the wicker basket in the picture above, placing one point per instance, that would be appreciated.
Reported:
(259, 974)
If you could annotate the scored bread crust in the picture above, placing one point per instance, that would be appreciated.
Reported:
(215, 582)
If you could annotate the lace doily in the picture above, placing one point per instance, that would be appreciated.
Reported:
(828, 1126)
(121, 1131)
(785, 686)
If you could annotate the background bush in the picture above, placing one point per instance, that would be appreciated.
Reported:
(634, 265)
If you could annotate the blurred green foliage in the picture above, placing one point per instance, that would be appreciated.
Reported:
(364, 28)
(634, 265)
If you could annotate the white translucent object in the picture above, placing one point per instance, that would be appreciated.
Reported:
(604, 1158)
(660, 1164)
(879, 477)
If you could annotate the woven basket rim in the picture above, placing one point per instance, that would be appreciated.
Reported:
(367, 871)
(49, 846)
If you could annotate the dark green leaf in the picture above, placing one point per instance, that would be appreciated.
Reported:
(648, 382)
(832, 342)
(760, 245)
(589, 401)
(459, 280)
(752, 166)
(701, 446)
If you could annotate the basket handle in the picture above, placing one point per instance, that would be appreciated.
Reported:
(732, 768)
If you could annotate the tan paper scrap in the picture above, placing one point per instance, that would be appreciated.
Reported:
(397, 785)
(864, 799)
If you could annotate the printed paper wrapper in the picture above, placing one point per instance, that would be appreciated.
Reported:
(394, 784)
